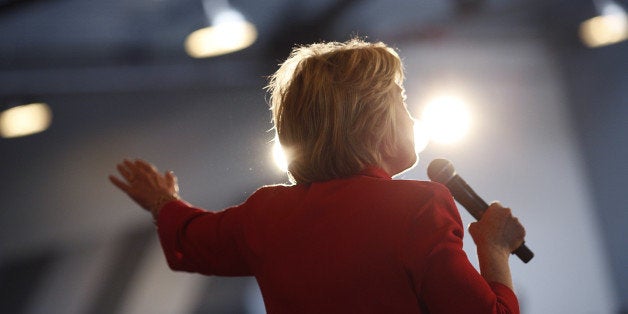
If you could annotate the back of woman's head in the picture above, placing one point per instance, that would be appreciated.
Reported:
(333, 109)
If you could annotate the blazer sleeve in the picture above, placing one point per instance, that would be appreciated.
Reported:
(195, 240)
(444, 279)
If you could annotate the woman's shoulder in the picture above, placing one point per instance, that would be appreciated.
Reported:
(414, 195)
(266, 192)
(412, 187)
(365, 188)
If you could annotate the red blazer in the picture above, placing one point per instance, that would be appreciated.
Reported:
(364, 244)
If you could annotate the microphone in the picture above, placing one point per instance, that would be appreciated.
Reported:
(442, 171)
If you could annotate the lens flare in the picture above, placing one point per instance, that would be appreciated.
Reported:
(279, 156)
(604, 30)
(446, 119)
(25, 120)
(421, 136)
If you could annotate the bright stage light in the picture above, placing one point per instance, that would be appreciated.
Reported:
(610, 27)
(421, 136)
(604, 30)
(229, 32)
(279, 156)
(25, 120)
(446, 119)
(220, 39)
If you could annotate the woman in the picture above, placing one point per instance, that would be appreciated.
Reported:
(345, 238)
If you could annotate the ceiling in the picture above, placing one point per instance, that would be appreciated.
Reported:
(67, 46)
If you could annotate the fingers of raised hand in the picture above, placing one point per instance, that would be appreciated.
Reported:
(171, 181)
(126, 170)
(119, 183)
(128, 176)
(145, 166)
(137, 169)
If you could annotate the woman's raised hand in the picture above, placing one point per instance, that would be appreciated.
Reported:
(145, 185)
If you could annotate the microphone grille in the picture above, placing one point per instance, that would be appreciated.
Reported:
(441, 170)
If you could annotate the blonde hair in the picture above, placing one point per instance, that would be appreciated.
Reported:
(333, 110)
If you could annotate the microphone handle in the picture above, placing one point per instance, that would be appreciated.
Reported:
(476, 206)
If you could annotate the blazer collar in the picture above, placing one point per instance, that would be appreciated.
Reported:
(376, 172)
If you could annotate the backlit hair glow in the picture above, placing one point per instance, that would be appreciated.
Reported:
(332, 106)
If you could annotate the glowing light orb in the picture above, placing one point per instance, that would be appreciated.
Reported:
(604, 30)
(279, 156)
(25, 120)
(610, 27)
(230, 32)
(421, 136)
(446, 119)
